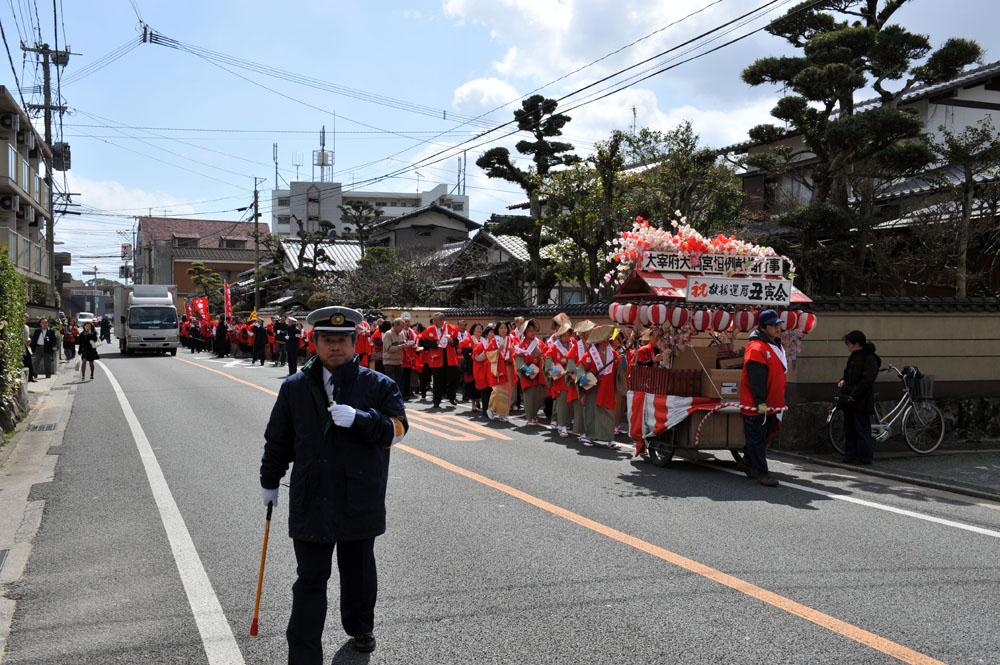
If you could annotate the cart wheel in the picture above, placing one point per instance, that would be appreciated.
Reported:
(661, 450)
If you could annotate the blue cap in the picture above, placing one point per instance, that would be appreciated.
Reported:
(768, 317)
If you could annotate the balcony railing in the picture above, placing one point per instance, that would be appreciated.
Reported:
(31, 258)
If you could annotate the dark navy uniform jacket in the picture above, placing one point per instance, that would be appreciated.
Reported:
(338, 483)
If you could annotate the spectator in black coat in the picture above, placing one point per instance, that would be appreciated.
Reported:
(857, 397)
(44, 345)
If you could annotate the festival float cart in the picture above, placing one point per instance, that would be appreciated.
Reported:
(705, 294)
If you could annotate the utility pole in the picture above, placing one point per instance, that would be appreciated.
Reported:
(62, 57)
(256, 246)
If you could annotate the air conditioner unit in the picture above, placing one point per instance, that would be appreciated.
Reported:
(27, 137)
(10, 202)
(10, 122)
(29, 214)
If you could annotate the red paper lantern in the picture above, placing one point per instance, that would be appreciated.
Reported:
(746, 320)
(806, 322)
(657, 314)
(789, 318)
(721, 320)
(628, 314)
(613, 311)
(701, 320)
(644, 315)
(678, 317)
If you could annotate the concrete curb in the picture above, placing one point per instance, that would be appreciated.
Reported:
(913, 479)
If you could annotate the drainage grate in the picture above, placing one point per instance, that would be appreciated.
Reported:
(62, 387)
(42, 428)
(3, 557)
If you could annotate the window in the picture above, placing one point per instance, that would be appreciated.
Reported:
(234, 244)
(152, 317)
(25, 175)
(185, 242)
(424, 234)
(457, 206)
(284, 220)
(312, 210)
(284, 201)
(12, 162)
(381, 204)
(313, 193)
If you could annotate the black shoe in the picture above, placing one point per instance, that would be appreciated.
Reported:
(744, 466)
(363, 643)
(765, 479)
(436, 406)
(453, 402)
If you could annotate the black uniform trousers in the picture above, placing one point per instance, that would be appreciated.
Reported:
(445, 382)
(293, 360)
(358, 591)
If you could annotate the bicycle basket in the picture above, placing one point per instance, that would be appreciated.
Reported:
(921, 387)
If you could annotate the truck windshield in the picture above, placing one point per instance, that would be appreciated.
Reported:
(152, 317)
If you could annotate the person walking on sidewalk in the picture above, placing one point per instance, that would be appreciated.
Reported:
(106, 329)
(338, 485)
(26, 358)
(857, 400)
(762, 394)
(88, 341)
(70, 332)
(44, 345)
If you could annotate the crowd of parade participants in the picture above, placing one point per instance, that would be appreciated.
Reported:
(571, 376)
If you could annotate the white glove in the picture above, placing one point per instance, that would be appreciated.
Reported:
(342, 414)
(269, 496)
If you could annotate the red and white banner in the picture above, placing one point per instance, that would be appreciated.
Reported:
(650, 414)
(201, 306)
(188, 310)
(229, 304)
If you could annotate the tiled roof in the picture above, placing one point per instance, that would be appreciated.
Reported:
(434, 207)
(929, 182)
(967, 78)
(213, 254)
(539, 311)
(208, 231)
(342, 255)
(518, 249)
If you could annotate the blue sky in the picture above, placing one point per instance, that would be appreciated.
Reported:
(462, 57)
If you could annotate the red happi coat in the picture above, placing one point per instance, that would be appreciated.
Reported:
(410, 359)
(480, 368)
(535, 356)
(501, 376)
(577, 349)
(559, 355)
(437, 356)
(468, 343)
(604, 369)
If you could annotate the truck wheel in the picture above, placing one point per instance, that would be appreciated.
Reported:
(173, 352)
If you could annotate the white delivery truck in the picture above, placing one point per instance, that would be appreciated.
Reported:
(146, 318)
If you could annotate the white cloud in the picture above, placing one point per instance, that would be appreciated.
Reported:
(114, 196)
(482, 95)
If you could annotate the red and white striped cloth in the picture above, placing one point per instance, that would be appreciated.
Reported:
(650, 414)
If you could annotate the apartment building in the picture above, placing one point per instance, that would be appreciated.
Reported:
(312, 202)
(24, 196)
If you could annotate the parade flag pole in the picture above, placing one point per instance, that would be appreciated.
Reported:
(260, 578)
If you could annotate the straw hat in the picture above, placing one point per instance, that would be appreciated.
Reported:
(524, 326)
(584, 326)
(561, 318)
(563, 328)
(600, 334)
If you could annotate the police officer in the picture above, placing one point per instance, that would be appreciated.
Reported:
(336, 420)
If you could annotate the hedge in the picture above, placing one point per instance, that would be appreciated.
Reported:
(13, 296)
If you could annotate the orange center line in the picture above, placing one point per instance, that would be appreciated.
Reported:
(838, 626)
(850, 631)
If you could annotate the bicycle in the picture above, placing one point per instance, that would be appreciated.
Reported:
(922, 421)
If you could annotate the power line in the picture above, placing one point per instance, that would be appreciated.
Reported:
(13, 69)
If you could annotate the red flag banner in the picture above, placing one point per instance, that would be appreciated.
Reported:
(201, 306)
(229, 304)
(188, 310)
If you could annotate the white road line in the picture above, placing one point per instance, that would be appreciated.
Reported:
(216, 635)
(872, 504)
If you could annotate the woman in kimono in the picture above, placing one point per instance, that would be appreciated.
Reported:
(556, 362)
(466, 347)
(574, 370)
(499, 356)
(480, 366)
(529, 357)
(602, 362)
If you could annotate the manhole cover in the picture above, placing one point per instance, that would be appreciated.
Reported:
(42, 428)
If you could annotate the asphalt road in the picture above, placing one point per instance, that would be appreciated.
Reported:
(505, 545)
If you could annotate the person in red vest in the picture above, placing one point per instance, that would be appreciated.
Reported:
(603, 363)
(577, 397)
(480, 366)
(466, 347)
(652, 352)
(378, 328)
(556, 361)
(440, 343)
(528, 360)
(762, 394)
(499, 359)
(410, 350)
(272, 342)
(363, 347)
